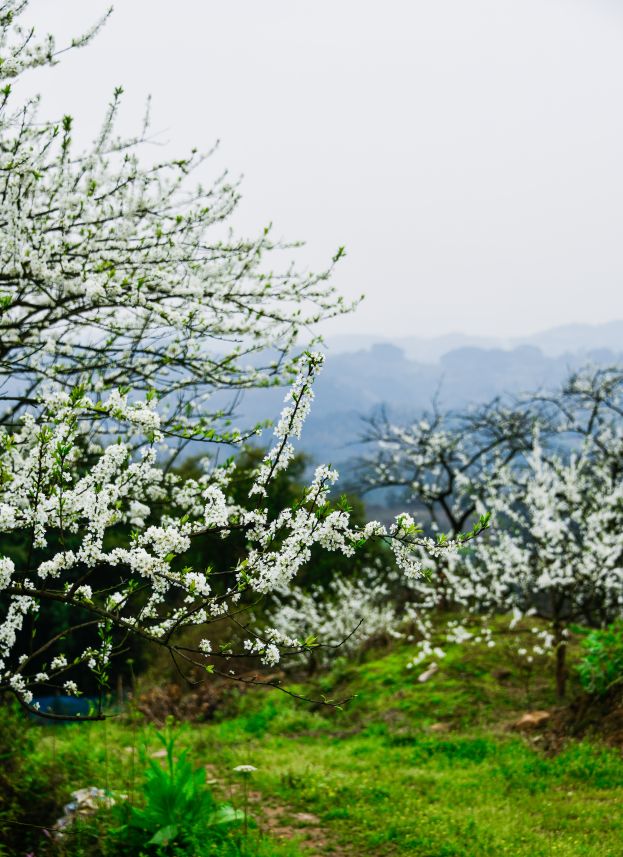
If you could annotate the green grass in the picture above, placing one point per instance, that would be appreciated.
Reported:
(461, 796)
(380, 781)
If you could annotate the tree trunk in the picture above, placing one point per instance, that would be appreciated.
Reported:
(561, 661)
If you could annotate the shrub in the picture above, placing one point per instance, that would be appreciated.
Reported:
(177, 809)
(601, 666)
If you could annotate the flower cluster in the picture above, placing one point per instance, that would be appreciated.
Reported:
(78, 506)
(344, 614)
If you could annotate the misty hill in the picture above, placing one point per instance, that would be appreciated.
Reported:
(356, 383)
(555, 342)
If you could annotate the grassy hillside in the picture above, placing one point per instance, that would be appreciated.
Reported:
(407, 768)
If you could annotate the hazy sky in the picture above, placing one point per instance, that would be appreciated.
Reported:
(468, 153)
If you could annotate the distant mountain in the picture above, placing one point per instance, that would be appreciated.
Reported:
(354, 384)
(579, 338)
(566, 339)
(421, 349)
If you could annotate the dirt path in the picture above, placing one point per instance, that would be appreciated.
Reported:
(282, 822)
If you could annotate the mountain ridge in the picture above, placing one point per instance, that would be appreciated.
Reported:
(553, 342)
(356, 383)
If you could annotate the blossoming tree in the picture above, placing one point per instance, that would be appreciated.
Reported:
(443, 462)
(121, 312)
(557, 550)
(58, 484)
(119, 272)
(550, 469)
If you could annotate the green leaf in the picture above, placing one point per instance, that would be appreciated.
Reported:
(225, 814)
(164, 835)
